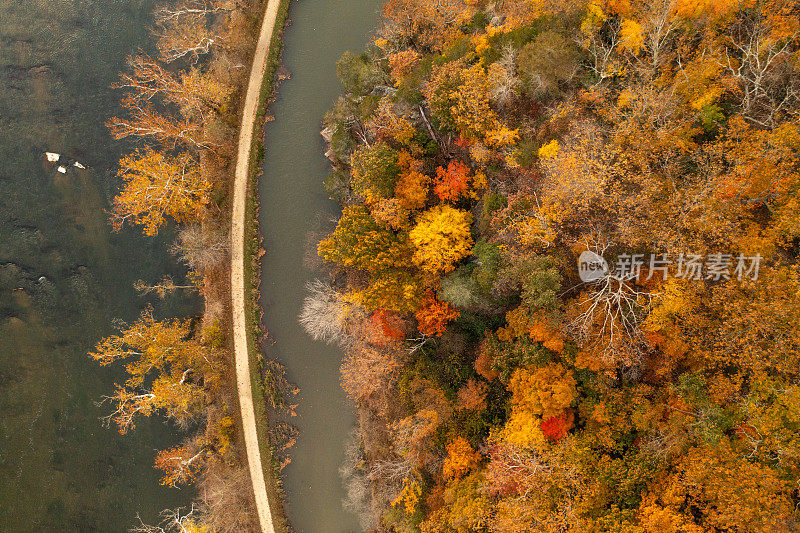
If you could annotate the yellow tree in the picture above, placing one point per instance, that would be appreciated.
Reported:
(412, 189)
(390, 124)
(441, 238)
(157, 186)
(358, 241)
(394, 289)
(460, 97)
(729, 493)
(167, 369)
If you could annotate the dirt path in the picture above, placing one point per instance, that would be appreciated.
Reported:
(237, 267)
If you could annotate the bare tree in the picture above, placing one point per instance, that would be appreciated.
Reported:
(659, 27)
(502, 75)
(162, 288)
(200, 248)
(393, 470)
(356, 479)
(185, 37)
(226, 494)
(760, 64)
(613, 312)
(173, 521)
(188, 9)
(601, 43)
(324, 312)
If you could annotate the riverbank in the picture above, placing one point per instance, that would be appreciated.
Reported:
(202, 109)
(245, 250)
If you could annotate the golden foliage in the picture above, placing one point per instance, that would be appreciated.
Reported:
(441, 238)
(157, 186)
(461, 458)
(545, 391)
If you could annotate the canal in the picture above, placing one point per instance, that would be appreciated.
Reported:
(294, 212)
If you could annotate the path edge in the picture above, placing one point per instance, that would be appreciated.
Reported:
(245, 247)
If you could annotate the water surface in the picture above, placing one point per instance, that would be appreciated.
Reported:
(294, 209)
(64, 277)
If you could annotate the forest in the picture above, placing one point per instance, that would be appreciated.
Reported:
(479, 149)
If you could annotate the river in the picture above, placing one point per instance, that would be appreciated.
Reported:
(294, 210)
(65, 277)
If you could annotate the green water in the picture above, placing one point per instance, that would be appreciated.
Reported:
(294, 209)
(64, 277)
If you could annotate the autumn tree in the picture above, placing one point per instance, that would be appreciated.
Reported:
(543, 392)
(456, 182)
(754, 500)
(433, 316)
(191, 91)
(357, 74)
(403, 62)
(168, 370)
(460, 98)
(370, 370)
(441, 238)
(461, 458)
(390, 213)
(394, 289)
(411, 435)
(375, 171)
(180, 464)
(432, 23)
(157, 186)
(552, 404)
(465, 507)
(358, 241)
(412, 189)
(472, 395)
(392, 123)
(548, 60)
(146, 122)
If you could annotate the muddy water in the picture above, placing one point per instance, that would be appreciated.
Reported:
(294, 210)
(64, 276)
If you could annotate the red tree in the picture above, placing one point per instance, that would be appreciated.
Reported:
(452, 183)
(556, 427)
(434, 315)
